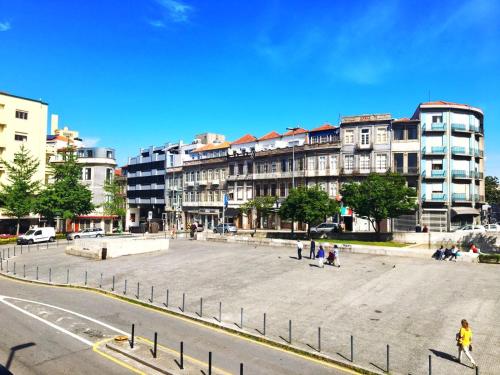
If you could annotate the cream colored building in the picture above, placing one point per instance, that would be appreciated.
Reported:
(22, 121)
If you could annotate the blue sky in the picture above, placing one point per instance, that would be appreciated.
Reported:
(129, 74)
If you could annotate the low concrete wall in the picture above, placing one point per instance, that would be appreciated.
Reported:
(357, 249)
(487, 242)
(116, 247)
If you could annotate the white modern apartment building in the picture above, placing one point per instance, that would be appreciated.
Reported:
(452, 164)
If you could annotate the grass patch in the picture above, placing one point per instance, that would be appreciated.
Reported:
(489, 258)
(369, 243)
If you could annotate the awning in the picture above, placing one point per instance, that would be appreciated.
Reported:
(464, 211)
(232, 212)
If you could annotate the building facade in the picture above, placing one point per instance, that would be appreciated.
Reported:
(145, 188)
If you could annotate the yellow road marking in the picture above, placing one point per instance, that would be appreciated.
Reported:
(194, 322)
(95, 348)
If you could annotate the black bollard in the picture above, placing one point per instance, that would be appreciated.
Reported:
(264, 325)
(241, 368)
(290, 331)
(352, 348)
(67, 276)
(14, 268)
(209, 363)
(100, 281)
(155, 347)
(152, 293)
(201, 307)
(183, 301)
(86, 278)
(241, 319)
(125, 288)
(50, 275)
(166, 299)
(24, 270)
(138, 289)
(430, 365)
(220, 312)
(113, 285)
(319, 339)
(132, 336)
(37, 272)
(387, 364)
(181, 364)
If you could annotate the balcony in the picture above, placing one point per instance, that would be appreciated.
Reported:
(461, 197)
(434, 150)
(435, 174)
(190, 184)
(435, 197)
(215, 182)
(459, 150)
(202, 182)
(477, 153)
(239, 177)
(459, 128)
(364, 146)
(460, 174)
(434, 127)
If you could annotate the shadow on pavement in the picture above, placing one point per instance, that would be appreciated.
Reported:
(13, 350)
(443, 355)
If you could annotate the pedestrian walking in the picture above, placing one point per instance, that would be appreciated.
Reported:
(336, 258)
(312, 249)
(321, 257)
(300, 246)
(464, 342)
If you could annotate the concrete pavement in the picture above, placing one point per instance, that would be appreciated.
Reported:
(414, 305)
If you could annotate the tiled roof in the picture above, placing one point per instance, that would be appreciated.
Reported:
(323, 127)
(270, 135)
(213, 146)
(58, 138)
(298, 131)
(247, 138)
(442, 103)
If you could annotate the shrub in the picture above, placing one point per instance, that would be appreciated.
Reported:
(489, 258)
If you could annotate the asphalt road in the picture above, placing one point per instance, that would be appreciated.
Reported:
(37, 337)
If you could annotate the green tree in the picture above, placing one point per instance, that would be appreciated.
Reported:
(308, 205)
(261, 205)
(115, 202)
(491, 187)
(379, 197)
(18, 195)
(66, 196)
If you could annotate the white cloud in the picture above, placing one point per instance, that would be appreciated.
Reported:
(90, 142)
(172, 11)
(4, 26)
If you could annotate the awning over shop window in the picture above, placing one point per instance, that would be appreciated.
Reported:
(464, 211)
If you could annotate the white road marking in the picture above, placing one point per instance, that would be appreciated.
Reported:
(55, 326)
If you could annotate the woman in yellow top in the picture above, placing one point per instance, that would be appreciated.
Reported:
(464, 342)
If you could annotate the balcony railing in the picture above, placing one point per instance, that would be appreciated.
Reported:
(435, 127)
(459, 127)
(460, 173)
(434, 150)
(460, 197)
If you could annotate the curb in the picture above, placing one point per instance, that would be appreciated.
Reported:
(247, 335)
(138, 359)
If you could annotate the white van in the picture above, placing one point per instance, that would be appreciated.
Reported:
(37, 235)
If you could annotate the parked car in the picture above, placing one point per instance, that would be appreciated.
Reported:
(471, 228)
(89, 232)
(200, 227)
(36, 235)
(492, 227)
(228, 228)
(325, 228)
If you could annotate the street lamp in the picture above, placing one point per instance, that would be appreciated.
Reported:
(293, 130)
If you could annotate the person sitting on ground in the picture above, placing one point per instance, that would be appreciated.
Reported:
(454, 253)
(447, 253)
(439, 254)
(331, 258)
(474, 249)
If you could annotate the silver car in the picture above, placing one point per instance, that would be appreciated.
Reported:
(325, 228)
(89, 232)
(228, 228)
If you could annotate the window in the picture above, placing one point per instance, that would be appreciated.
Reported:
(300, 164)
(23, 115)
(210, 174)
(239, 191)
(412, 132)
(322, 163)
(381, 161)
(273, 167)
(332, 189)
(399, 133)
(132, 218)
(311, 163)
(21, 137)
(273, 190)
(109, 174)
(398, 163)
(87, 174)
(90, 153)
(349, 136)
(365, 136)
(364, 162)
(333, 163)
(249, 167)
(437, 119)
(382, 135)
(257, 190)
(283, 165)
(348, 162)
(231, 169)
(109, 154)
(437, 188)
(282, 190)
(412, 162)
(437, 165)
(240, 168)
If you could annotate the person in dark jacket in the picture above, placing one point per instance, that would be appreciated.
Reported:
(312, 250)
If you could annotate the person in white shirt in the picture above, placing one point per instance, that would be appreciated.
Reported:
(300, 246)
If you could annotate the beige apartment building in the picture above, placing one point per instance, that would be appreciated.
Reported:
(22, 121)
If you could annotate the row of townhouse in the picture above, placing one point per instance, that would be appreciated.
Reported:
(439, 150)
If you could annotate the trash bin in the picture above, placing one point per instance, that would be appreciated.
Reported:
(104, 253)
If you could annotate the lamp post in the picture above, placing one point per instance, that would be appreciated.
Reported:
(293, 130)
